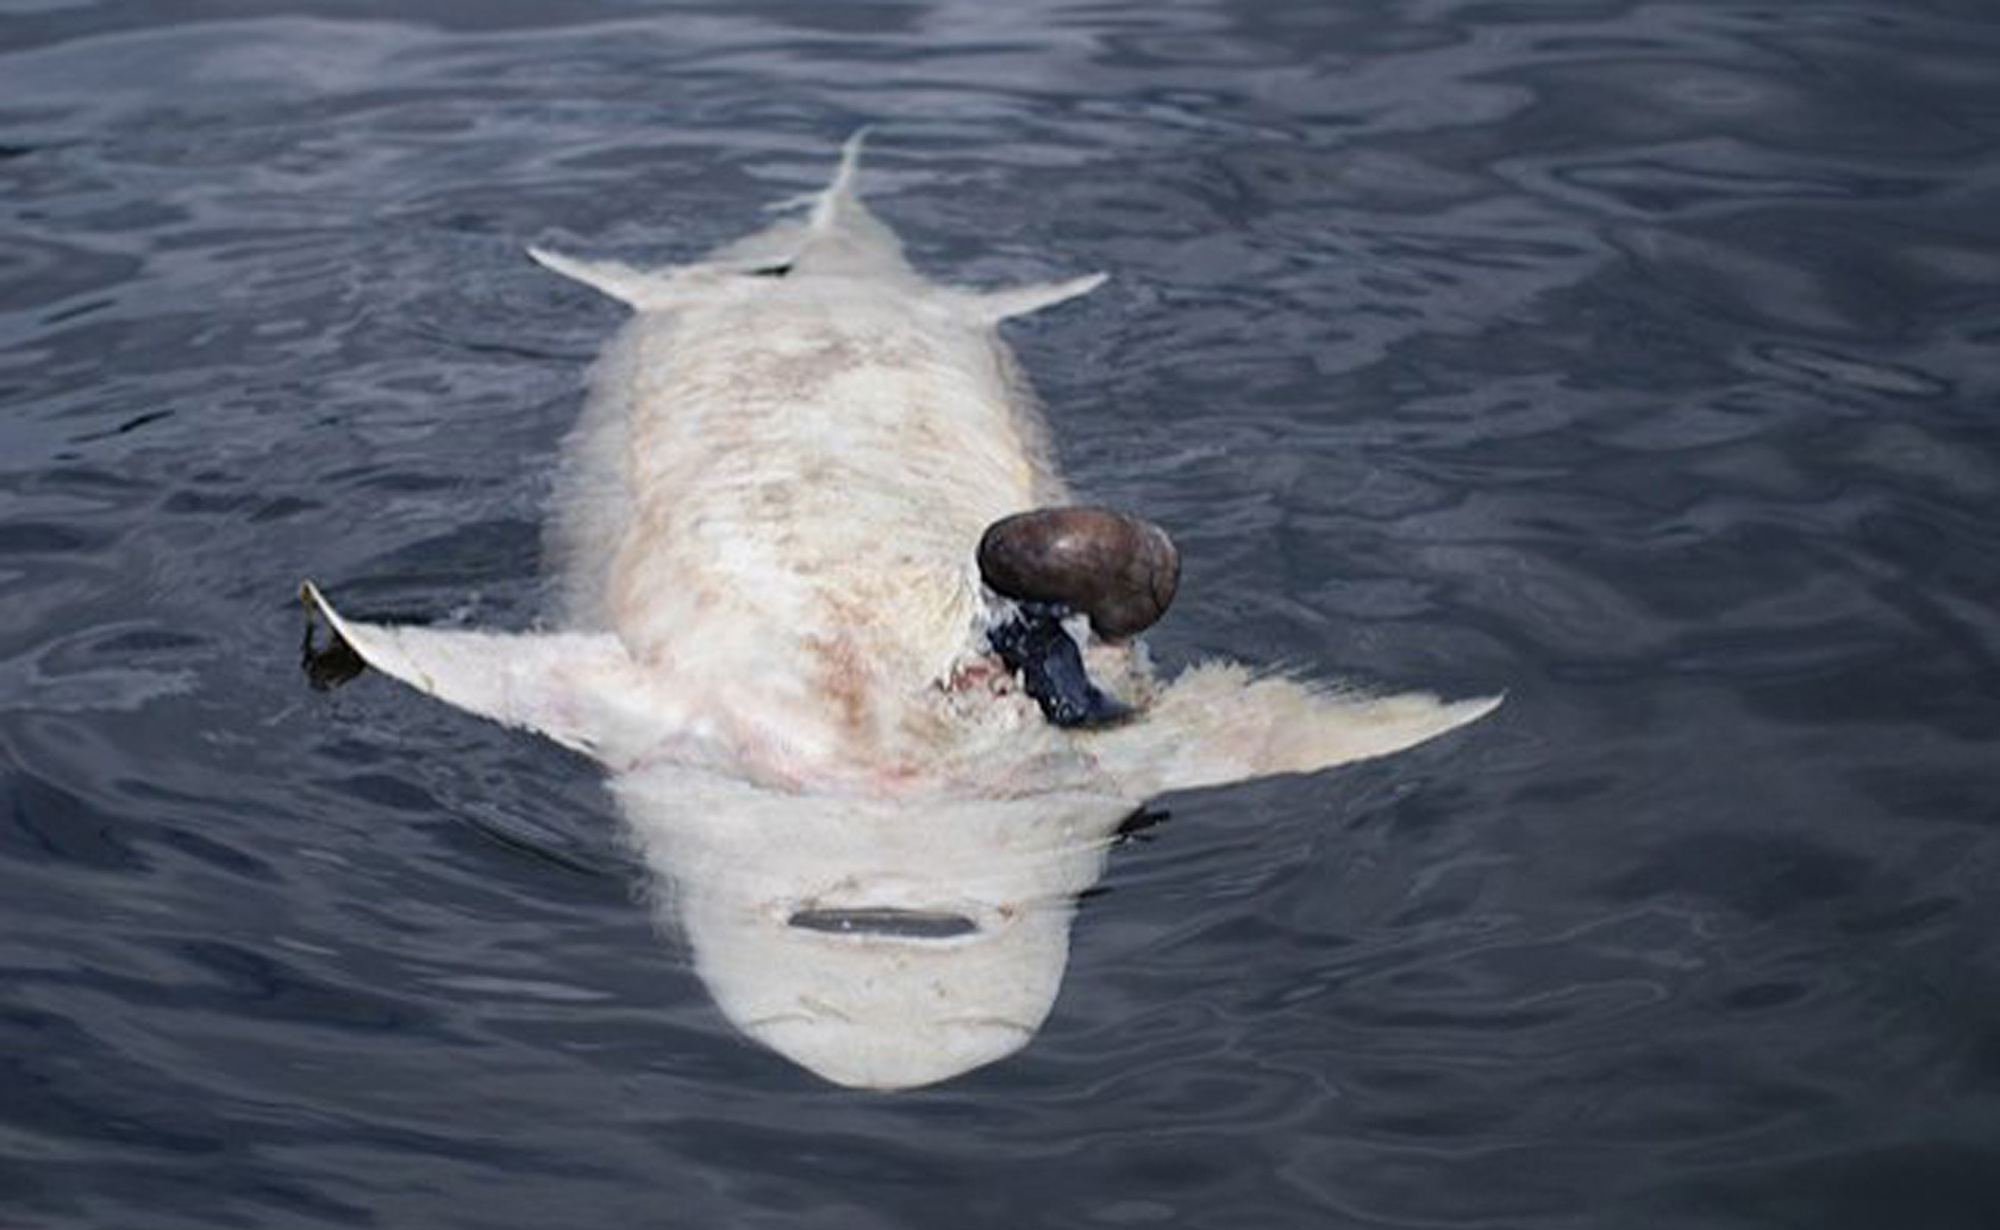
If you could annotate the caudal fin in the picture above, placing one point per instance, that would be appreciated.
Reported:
(839, 197)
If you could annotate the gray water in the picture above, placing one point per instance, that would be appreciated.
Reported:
(1637, 359)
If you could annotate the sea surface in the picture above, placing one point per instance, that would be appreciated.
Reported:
(1639, 360)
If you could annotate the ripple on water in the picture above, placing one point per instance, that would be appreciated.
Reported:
(1632, 358)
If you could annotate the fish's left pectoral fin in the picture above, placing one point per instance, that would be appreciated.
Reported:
(579, 689)
(1219, 723)
(994, 306)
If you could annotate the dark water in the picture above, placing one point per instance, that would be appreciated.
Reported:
(1638, 359)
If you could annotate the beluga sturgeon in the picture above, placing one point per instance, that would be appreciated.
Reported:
(862, 673)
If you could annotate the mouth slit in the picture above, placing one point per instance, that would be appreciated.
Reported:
(887, 922)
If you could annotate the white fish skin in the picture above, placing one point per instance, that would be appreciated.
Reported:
(774, 641)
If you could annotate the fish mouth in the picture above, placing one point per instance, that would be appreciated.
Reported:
(884, 922)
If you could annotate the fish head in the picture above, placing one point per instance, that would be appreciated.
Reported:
(879, 943)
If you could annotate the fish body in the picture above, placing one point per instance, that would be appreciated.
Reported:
(779, 533)
(775, 639)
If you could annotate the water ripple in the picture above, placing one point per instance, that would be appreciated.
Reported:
(1633, 358)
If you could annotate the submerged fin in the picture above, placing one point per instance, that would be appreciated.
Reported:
(579, 689)
(1218, 723)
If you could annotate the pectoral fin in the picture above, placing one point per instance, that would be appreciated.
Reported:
(580, 689)
(993, 306)
(1218, 723)
(642, 289)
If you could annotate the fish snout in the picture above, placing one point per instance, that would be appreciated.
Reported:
(876, 1054)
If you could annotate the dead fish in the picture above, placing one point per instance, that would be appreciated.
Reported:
(808, 495)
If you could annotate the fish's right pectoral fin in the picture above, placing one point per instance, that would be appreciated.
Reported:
(581, 690)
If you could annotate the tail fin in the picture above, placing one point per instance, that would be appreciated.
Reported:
(836, 231)
(836, 209)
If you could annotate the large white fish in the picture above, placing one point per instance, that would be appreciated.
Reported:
(778, 641)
